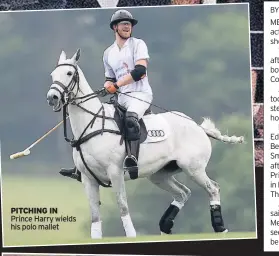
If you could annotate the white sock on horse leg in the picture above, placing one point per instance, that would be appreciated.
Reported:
(96, 230)
(179, 205)
(215, 202)
(128, 226)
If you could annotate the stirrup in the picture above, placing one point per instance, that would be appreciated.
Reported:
(130, 164)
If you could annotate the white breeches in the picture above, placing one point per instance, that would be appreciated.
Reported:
(135, 105)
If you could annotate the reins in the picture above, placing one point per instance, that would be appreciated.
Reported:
(68, 97)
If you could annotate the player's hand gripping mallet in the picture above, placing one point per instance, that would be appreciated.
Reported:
(26, 152)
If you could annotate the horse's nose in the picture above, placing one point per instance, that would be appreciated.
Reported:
(51, 99)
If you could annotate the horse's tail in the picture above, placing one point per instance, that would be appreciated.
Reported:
(210, 129)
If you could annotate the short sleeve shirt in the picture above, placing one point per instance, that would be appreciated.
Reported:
(120, 62)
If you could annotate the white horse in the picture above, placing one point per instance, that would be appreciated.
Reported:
(185, 148)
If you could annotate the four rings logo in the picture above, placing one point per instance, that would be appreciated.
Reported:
(155, 133)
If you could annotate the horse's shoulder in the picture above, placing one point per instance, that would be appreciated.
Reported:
(109, 107)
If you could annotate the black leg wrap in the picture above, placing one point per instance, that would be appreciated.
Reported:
(167, 220)
(216, 218)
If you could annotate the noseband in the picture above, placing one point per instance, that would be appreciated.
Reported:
(67, 96)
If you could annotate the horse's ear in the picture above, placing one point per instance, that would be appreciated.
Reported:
(76, 55)
(62, 57)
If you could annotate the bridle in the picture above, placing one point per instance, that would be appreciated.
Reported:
(69, 97)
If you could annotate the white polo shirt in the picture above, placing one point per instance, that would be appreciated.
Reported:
(120, 62)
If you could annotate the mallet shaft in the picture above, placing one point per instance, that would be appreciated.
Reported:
(45, 135)
(27, 150)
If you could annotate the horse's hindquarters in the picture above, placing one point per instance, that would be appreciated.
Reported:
(190, 144)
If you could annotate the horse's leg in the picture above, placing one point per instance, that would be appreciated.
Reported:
(180, 193)
(116, 176)
(93, 194)
(199, 176)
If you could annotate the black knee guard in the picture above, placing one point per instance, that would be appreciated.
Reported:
(132, 126)
(216, 218)
(167, 220)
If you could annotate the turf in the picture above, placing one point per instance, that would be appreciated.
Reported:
(139, 239)
(70, 200)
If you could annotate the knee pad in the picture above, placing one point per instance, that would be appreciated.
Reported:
(132, 126)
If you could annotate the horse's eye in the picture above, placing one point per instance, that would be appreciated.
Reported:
(69, 73)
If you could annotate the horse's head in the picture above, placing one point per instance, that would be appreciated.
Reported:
(65, 81)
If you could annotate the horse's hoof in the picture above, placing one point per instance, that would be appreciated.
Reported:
(131, 235)
(221, 229)
(165, 234)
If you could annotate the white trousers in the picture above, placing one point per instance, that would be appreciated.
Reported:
(135, 105)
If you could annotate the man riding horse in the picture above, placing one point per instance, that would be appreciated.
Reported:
(125, 64)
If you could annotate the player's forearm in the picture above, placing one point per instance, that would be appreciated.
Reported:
(137, 74)
(127, 79)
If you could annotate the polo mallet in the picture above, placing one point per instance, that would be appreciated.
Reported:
(26, 152)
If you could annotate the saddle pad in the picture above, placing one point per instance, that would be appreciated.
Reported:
(157, 128)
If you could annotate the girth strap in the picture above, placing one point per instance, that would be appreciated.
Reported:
(92, 173)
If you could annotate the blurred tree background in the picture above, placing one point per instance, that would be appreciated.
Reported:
(200, 65)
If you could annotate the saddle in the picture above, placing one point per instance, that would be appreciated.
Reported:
(132, 149)
(119, 117)
(153, 129)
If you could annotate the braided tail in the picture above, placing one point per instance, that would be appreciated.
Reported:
(210, 129)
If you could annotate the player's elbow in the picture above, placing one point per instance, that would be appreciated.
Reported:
(138, 73)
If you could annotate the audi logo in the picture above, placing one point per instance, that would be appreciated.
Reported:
(155, 133)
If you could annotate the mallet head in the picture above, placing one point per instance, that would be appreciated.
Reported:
(20, 154)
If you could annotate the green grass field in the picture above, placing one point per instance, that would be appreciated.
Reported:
(139, 239)
(185, 237)
(70, 199)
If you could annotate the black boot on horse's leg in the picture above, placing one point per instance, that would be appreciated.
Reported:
(73, 173)
(217, 219)
(167, 220)
(132, 135)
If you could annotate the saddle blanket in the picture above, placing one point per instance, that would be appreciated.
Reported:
(157, 128)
